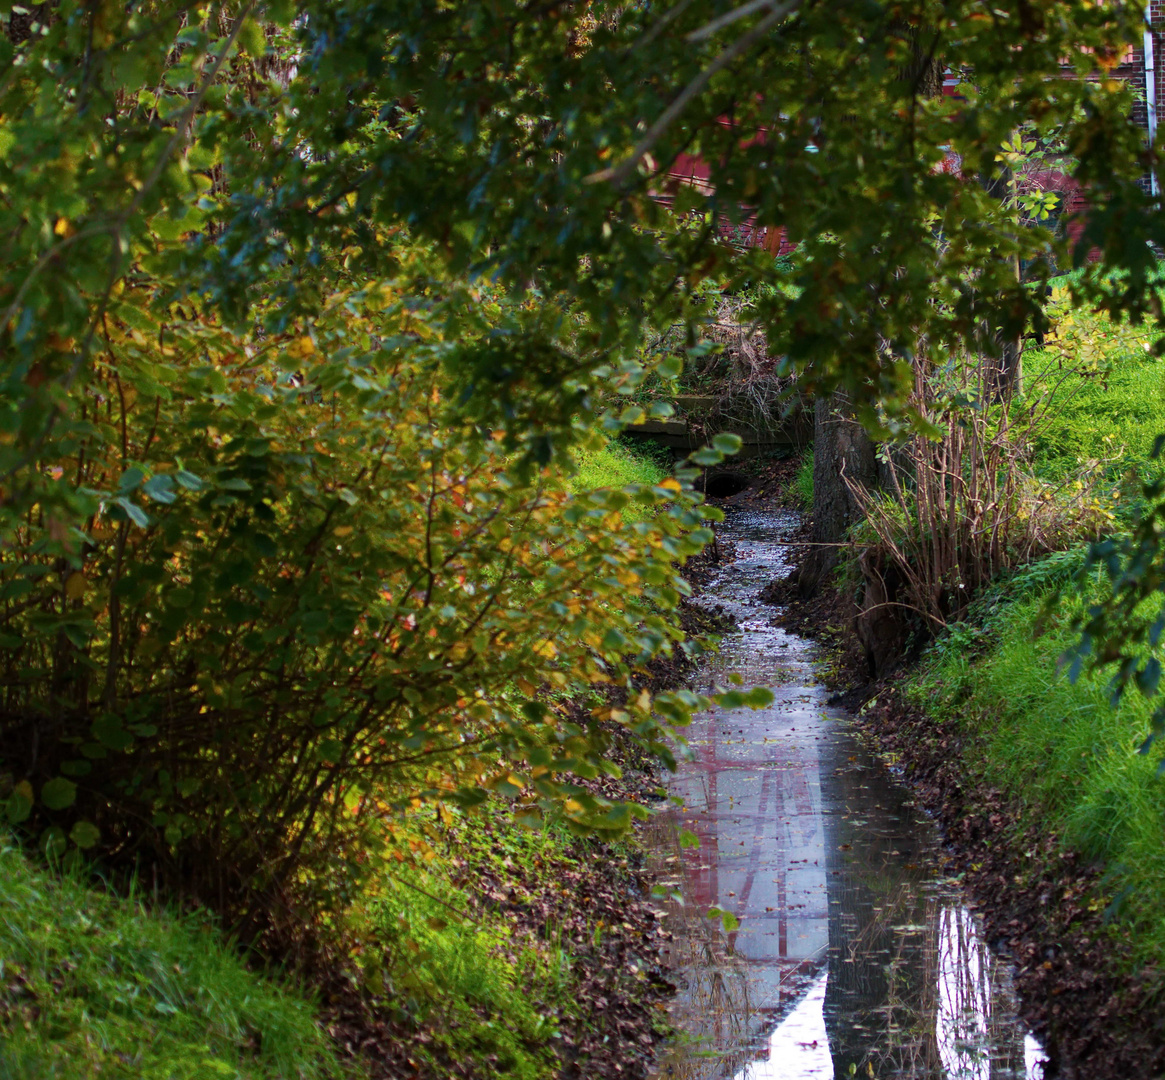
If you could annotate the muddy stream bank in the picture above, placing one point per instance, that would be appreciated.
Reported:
(847, 948)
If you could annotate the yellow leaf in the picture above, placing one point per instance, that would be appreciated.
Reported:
(75, 586)
(62, 227)
(301, 346)
(342, 530)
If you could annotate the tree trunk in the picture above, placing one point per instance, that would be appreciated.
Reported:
(841, 446)
(841, 449)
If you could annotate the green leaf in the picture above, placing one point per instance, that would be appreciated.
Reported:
(251, 39)
(107, 730)
(17, 808)
(130, 479)
(136, 514)
(160, 488)
(727, 443)
(85, 835)
(188, 480)
(58, 793)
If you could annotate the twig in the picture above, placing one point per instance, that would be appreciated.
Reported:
(664, 22)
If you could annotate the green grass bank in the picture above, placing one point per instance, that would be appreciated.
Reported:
(96, 986)
(1065, 759)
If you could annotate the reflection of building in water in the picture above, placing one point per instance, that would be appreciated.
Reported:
(799, 1048)
(879, 1003)
(755, 806)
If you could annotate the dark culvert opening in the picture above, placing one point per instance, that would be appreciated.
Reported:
(723, 485)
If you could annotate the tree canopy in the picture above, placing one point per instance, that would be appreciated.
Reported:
(304, 306)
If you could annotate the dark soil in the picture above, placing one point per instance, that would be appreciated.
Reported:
(1040, 904)
(770, 480)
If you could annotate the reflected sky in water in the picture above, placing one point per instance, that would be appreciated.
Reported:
(854, 953)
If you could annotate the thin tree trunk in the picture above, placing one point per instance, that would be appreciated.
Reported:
(841, 448)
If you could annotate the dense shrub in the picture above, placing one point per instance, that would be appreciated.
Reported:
(309, 593)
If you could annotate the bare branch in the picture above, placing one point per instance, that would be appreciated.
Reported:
(664, 22)
(727, 19)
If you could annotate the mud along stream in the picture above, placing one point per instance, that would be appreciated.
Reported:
(854, 955)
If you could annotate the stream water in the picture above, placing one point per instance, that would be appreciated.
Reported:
(855, 954)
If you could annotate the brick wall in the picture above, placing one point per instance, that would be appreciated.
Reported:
(1157, 21)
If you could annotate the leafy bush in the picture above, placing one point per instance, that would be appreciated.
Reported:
(308, 591)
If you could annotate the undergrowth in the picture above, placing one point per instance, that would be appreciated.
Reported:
(802, 487)
(92, 985)
(505, 952)
(488, 991)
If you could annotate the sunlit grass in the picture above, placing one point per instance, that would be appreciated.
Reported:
(614, 465)
(488, 992)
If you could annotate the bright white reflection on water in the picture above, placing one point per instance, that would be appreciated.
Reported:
(799, 1048)
(967, 994)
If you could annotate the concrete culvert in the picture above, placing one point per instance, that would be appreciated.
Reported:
(722, 485)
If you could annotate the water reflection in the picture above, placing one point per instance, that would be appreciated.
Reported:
(854, 955)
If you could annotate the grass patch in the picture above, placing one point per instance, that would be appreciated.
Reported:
(802, 486)
(92, 985)
(614, 465)
(1066, 758)
(472, 947)
(1099, 417)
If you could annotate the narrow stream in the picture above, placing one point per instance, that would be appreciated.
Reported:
(855, 954)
